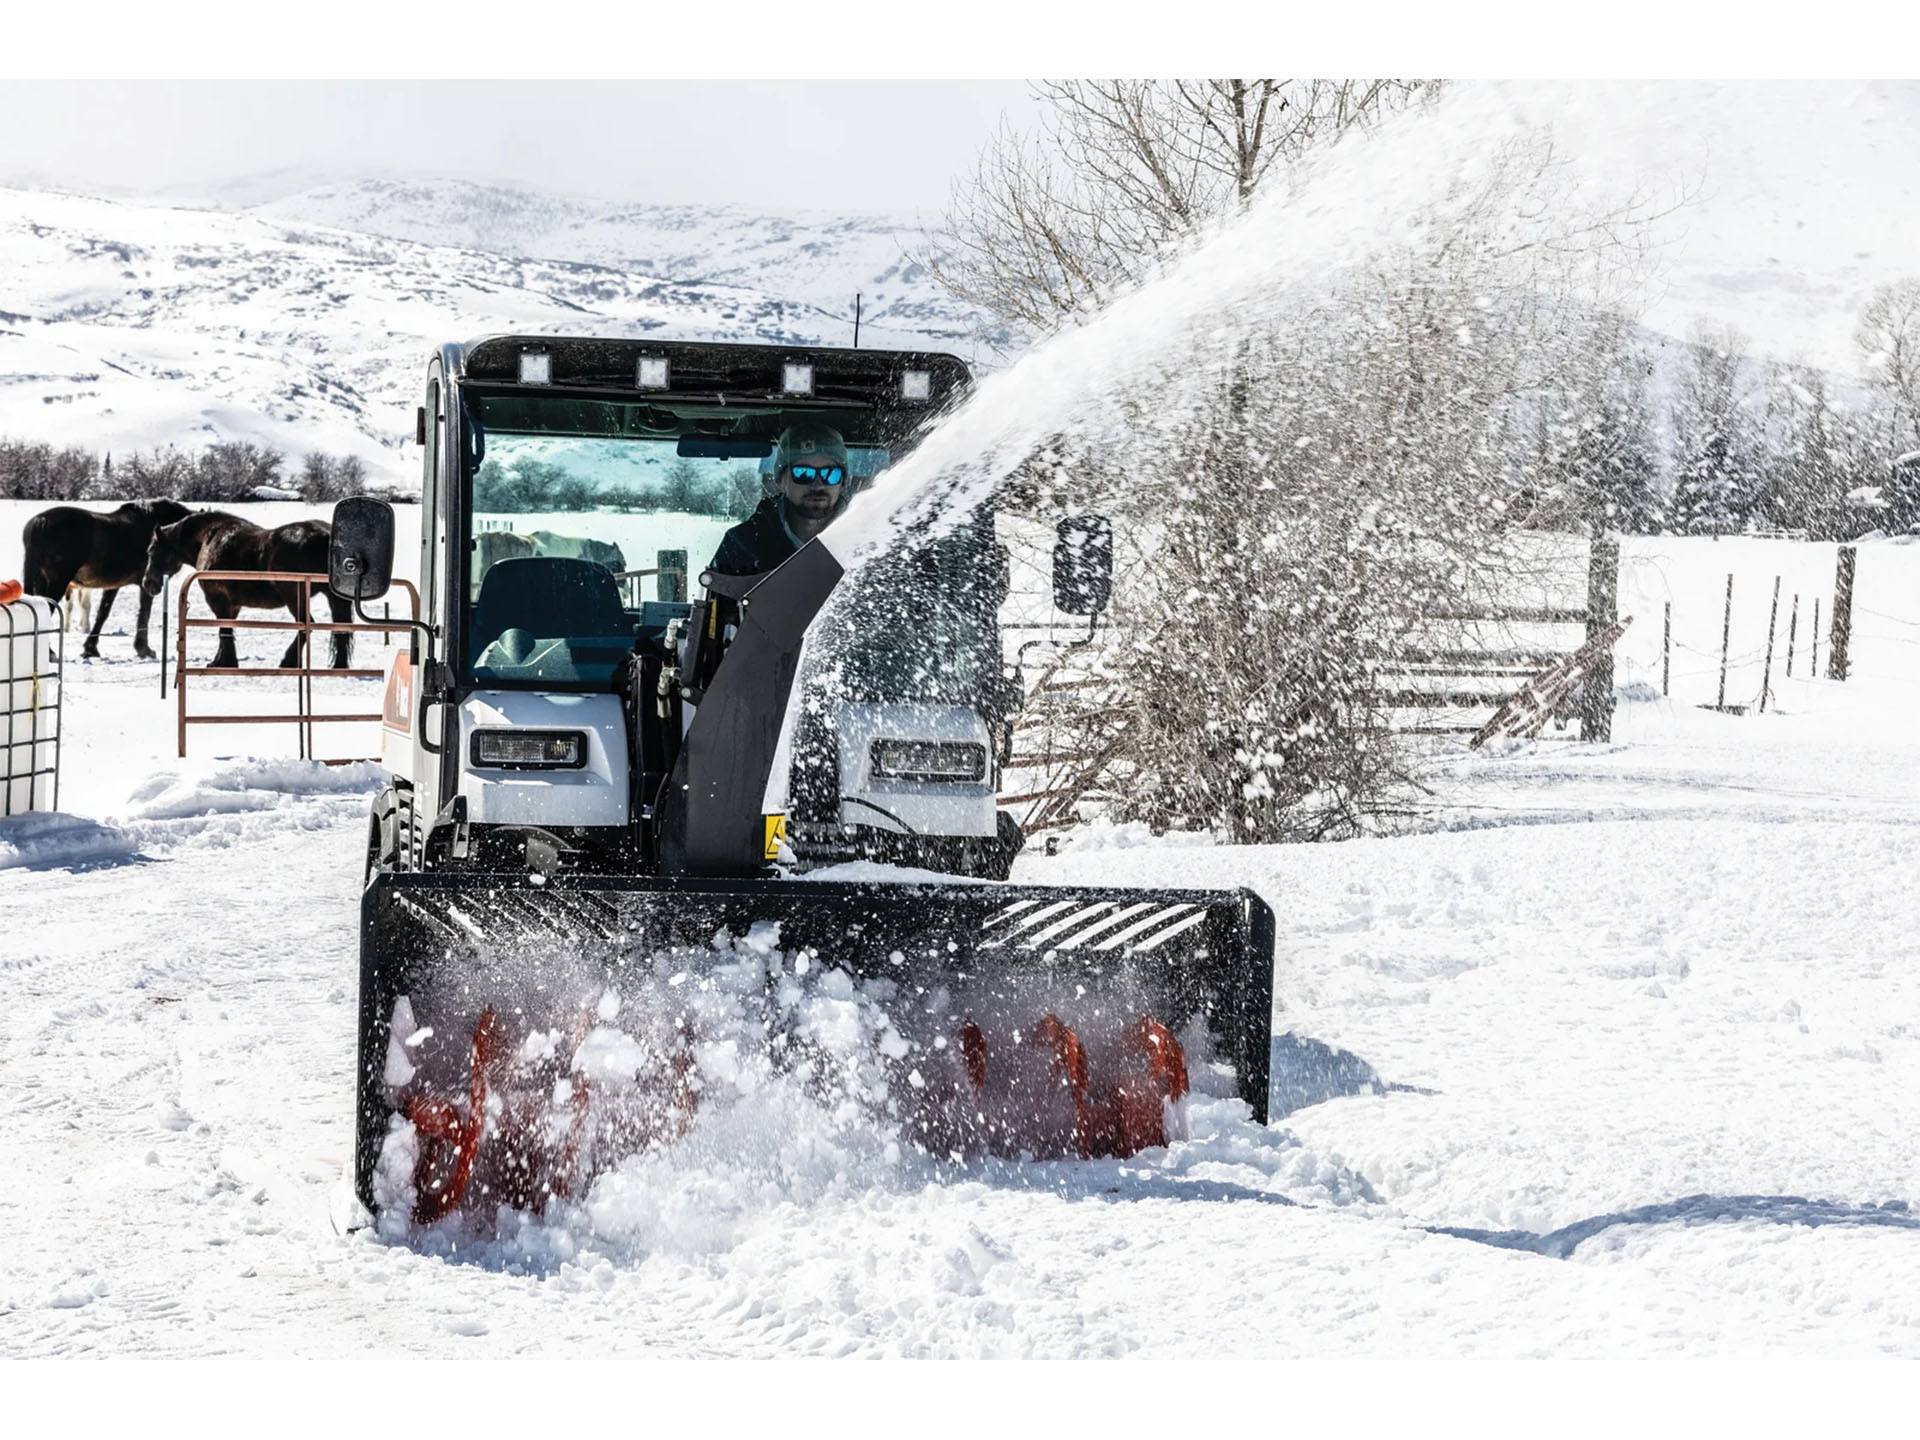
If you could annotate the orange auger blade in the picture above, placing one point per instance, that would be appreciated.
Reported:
(1132, 1116)
(439, 1184)
(1069, 1069)
(533, 1150)
(973, 1050)
(1115, 1115)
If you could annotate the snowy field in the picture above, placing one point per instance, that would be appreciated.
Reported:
(1620, 1055)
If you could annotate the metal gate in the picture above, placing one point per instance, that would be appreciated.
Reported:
(303, 675)
(34, 640)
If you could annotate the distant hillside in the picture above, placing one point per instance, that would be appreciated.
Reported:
(304, 323)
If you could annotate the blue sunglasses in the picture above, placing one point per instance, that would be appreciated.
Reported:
(821, 474)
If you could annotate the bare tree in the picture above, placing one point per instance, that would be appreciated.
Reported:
(1050, 224)
(1889, 343)
(160, 473)
(35, 470)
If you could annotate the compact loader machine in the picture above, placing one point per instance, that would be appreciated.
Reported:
(576, 879)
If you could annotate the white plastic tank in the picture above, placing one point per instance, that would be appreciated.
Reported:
(30, 657)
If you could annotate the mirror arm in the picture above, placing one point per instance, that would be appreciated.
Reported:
(360, 609)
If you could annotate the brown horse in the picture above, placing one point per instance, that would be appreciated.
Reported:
(68, 547)
(215, 540)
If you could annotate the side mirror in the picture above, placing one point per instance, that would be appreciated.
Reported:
(1083, 564)
(360, 557)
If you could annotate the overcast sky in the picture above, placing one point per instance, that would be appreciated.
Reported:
(840, 145)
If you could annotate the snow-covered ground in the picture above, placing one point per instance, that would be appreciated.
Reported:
(1621, 1055)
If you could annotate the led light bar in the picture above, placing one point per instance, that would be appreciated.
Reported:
(529, 749)
(797, 378)
(916, 385)
(536, 367)
(654, 373)
(929, 759)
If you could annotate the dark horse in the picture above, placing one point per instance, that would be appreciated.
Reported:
(69, 547)
(214, 540)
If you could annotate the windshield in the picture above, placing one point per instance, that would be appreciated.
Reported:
(584, 535)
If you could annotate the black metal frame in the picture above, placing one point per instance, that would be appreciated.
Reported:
(34, 709)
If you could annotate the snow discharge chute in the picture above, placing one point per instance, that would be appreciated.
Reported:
(520, 1036)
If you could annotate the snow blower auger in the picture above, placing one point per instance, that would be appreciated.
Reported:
(1006, 1043)
(579, 904)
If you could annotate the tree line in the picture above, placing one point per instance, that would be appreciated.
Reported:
(529, 486)
(223, 474)
(1736, 445)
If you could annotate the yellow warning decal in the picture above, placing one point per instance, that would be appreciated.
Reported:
(776, 832)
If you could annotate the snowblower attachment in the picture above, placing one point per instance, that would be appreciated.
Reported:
(517, 1036)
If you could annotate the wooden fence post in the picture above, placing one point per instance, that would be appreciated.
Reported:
(1793, 629)
(1603, 608)
(1726, 637)
(1766, 673)
(1666, 647)
(1837, 657)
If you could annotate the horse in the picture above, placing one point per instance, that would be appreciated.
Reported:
(71, 549)
(578, 547)
(215, 540)
(490, 547)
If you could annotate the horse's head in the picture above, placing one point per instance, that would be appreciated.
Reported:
(166, 553)
(165, 512)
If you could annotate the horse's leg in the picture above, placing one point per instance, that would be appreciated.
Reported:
(290, 594)
(342, 639)
(140, 646)
(91, 649)
(226, 656)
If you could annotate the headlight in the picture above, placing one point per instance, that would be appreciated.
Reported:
(929, 759)
(529, 749)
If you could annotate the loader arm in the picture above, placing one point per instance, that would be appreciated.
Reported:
(711, 810)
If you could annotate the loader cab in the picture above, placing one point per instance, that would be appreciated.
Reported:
(572, 491)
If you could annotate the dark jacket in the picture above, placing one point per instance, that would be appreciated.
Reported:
(757, 544)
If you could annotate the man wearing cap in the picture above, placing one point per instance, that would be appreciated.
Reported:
(810, 468)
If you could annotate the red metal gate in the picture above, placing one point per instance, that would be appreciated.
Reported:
(304, 716)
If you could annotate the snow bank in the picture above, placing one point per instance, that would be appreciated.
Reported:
(52, 840)
(232, 787)
(224, 803)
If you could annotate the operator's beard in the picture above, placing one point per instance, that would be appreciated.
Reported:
(804, 526)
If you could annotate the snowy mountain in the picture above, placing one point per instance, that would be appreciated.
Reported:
(819, 259)
(305, 322)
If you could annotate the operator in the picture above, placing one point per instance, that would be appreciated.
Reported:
(810, 467)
